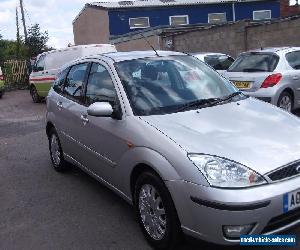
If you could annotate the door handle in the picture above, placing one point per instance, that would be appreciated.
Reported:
(295, 78)
(84, 119)
(59, 105)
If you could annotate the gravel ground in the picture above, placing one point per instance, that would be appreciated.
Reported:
(42, 209)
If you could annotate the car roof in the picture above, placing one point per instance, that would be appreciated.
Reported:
(125, 56)
(274, 49)
(207, 54)
(76, 47)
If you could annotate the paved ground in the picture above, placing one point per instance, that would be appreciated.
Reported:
(41, 209)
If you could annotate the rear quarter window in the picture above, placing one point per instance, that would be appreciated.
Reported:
(293, 59)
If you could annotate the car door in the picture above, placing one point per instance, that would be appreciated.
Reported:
(293, 59)
(103, 137)
(70, 106)
(36, 76)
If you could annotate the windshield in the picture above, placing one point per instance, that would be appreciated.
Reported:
(219, 62)
(255, 62)
(164, 84)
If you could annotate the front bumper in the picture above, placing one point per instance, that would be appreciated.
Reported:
(261, 206)
(2, 89)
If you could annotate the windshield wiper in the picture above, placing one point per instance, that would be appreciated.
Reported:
(199, 103)
(205, 103)
(227, 98)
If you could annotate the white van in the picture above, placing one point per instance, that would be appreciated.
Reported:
(47, 65)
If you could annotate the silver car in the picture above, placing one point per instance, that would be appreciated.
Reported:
(271, 74)
(220, 62)
(177, 141)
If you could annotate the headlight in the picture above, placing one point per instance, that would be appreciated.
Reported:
(220, 172)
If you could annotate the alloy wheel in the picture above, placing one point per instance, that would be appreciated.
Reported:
(286, 103)
(55, 150)
(152, 212)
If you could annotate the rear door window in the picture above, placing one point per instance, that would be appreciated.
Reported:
(100, 87)
(293, 59)
(255, 62)
(219, 62)
(75, 82)
(60, 80)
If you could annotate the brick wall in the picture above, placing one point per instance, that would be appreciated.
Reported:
(224, 39)
(287, 10)
(235, 38)
(138, 44)
(91, 26)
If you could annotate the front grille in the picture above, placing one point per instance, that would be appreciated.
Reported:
(282, 220)
(285, 172)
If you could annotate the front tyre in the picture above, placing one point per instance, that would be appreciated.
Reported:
(34, 95)
(56, 153)
(156, 212)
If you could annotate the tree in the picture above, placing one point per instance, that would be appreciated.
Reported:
(10, 49)
(36, 42)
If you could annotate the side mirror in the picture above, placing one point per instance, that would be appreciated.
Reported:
(100, 109)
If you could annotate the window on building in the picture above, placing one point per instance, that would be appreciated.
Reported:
(261, 14)
(293, 59)
(139, 22)
(217, 18)
(179, 20)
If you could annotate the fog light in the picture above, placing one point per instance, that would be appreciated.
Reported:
(236, 231)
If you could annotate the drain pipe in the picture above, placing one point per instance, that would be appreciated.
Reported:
(233, 12)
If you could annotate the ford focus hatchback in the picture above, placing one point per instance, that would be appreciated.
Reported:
(180, 143)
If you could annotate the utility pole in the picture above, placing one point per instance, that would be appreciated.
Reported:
(23, 20)
(18, 33)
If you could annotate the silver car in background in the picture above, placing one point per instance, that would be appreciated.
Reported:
(177, 141)
(220, 62)
(270, 74)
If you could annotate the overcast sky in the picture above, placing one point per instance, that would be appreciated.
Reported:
(56, 16)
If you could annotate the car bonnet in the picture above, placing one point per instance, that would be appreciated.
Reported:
(255, 134)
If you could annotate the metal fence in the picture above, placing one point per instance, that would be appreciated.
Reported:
(16, 74)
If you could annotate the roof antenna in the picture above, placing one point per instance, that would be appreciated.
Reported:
(260, 45)
(149, 44)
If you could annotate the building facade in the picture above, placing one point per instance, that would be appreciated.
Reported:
(99, 22)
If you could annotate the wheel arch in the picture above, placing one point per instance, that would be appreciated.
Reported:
(140, 159)
(137, 171)
(290, 91)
